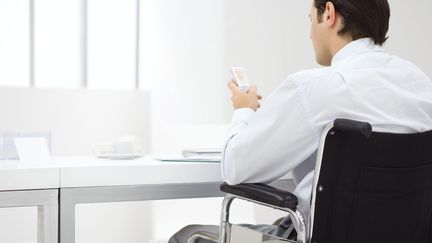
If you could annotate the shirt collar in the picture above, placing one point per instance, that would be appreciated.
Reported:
(356, 47)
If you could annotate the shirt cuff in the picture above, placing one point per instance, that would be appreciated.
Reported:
(242, 115)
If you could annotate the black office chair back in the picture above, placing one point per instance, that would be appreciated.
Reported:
(374, 187)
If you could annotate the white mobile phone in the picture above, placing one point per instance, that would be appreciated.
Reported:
(241, 78)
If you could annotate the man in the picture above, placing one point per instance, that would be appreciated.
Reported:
(360, 82)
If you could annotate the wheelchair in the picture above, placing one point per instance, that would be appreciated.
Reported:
(369, 187)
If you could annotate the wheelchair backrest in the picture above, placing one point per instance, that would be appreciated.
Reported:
(373, 187)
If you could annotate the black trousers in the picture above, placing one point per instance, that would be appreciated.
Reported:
(284, 229)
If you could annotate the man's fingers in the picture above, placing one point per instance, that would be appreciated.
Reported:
(253, 90)
(233, 86)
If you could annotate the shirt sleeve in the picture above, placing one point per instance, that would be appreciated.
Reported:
(265, 145)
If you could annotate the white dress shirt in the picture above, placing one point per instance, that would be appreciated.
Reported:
(363, 83)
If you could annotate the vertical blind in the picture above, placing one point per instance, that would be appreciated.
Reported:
(69, 43)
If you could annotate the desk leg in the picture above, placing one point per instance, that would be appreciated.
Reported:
(47, 203)
(48, 223)
(67, 220)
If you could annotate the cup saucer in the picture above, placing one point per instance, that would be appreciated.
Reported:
(116, 156)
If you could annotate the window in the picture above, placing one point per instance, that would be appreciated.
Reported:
(112, 37)
(14, 43)
(57, 43)
(69, 43)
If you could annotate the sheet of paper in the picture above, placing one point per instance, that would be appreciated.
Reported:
(180, 158)
(32, 149)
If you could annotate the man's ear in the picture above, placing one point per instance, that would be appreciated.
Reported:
(329, 16)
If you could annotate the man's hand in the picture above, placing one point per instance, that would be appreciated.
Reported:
(240, 99)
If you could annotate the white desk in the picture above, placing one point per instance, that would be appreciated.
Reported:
(88, 172)
(92, 172)
(18, 176)
(89, 180)
(23, 185)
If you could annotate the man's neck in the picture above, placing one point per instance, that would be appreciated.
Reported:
(338, 43)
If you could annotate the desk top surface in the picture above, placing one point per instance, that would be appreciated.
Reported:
(87, 171)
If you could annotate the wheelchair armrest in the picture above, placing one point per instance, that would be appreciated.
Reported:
(347, 125)
(263, 193)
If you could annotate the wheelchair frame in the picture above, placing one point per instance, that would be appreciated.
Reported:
(304, 232)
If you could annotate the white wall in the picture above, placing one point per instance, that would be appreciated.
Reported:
(182, 57)
(410, 36)
(18, 225)
(127, 222)
(190, 45)
(269, 38)
(182, 64)
(76, 118)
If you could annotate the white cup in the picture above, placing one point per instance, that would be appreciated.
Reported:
(127, 145)
(122, 147)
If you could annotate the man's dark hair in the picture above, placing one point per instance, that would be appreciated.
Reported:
(361, 18)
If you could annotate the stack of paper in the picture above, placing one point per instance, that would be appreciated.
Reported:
(202, 152)
(194, 155)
